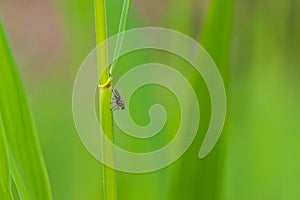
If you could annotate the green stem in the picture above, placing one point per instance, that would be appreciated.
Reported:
(101, 35)
(105, 92)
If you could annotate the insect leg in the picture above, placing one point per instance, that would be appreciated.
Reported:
(116, 107)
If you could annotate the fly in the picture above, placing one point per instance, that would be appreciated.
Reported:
(118, 101)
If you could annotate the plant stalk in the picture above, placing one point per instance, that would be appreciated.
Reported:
(105, 93)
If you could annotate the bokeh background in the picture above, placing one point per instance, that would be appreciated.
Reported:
(258, 154)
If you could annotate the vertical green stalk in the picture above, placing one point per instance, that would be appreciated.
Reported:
(105, 92)
(109, 177)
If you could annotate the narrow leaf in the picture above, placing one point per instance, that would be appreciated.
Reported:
(25, 157)
(121, 29)
(5, 186)
(216, 34)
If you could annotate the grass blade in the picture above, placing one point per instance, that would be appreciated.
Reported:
(207, 173)
(122, 26)
(25, 157)
(216, 37)
(216, 34)
(5, 182)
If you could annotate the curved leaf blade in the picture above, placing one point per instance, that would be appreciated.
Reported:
(5, 182)
(25, 158)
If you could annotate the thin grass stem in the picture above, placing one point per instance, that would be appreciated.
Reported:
(105, 92)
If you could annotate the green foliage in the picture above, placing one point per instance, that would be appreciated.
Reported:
(206, 174)
(5, 182)
(217, 33)
(257, 156)
(25, 157)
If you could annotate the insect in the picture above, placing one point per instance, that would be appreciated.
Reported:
(118, 101)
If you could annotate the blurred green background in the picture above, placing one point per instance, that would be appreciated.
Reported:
(256, 45)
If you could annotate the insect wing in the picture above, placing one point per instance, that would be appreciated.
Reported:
(116, 94)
